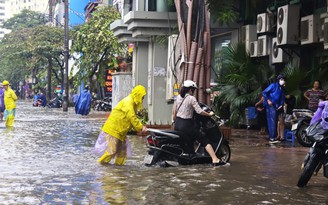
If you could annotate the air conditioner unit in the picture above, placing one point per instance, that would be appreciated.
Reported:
(253, 49)
(262, 45)
(325, 33)
(323, 16)
(173, 59)
(277, 54)
(310, 29)
(248, 34)
(287, 24)
(264, 23)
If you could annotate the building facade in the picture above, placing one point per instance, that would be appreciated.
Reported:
(8, 8)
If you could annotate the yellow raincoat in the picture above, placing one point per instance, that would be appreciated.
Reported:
(9, 99)
(122, 118)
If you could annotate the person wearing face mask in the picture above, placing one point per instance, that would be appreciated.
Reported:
(274, 98)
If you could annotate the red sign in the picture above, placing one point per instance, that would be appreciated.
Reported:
(108, 82)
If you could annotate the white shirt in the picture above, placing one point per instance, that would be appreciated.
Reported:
(188, 106)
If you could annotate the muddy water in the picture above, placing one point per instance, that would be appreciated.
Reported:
(47, 159)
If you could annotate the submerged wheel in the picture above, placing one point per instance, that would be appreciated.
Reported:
(224, 152)
(301, 136)
(308, 170)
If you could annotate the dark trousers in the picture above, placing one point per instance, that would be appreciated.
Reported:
(188, 126)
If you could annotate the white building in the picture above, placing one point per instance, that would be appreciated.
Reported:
(8, 8)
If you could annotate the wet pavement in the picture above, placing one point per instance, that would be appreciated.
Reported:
(47, 159)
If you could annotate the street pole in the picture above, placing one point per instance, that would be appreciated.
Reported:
(66, 93)
(48, 94)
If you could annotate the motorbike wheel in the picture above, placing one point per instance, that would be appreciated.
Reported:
(301, 136)
(224, 152)
(308, 170)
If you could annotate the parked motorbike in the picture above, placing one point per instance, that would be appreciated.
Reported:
(103, 105)
(301, 121)
(168, 147)
(317, 155)
(55, 103)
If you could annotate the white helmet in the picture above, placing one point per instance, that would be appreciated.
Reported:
(189, 84)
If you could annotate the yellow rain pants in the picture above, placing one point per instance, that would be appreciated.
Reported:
(116, 148)
(9, 116)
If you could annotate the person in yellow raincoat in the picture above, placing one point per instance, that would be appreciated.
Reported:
(9, 98)
(111, 141)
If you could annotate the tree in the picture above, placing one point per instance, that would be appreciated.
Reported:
(228, 12)
(25, 19)
(97, 44)
(32, 49)
(240, 79)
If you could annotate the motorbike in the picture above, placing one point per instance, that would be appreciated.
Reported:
(55, 103)
(103, 105)
(169, 147)
(301, 120)
(317, 156)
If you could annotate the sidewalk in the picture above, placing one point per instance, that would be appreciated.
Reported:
(247, 133)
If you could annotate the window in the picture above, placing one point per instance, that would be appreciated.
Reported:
(220, 43)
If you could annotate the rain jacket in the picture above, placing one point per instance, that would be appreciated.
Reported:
(276, 94)
(123, 117)
(82, 105)
(2, 103)
(10, 98)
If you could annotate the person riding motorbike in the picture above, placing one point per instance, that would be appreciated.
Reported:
(183, 109)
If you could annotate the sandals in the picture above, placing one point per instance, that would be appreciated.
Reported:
(281, 139)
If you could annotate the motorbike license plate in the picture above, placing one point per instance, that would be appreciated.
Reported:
(294, 126)
(148, 159)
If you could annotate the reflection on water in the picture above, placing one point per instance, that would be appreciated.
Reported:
(47, 159)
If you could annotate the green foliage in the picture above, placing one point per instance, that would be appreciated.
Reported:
(143, 115)
(25, 19)
(223, 11)
(97, 43)
(240, 79)
(30, 48)
(295, 78)
(232, 11)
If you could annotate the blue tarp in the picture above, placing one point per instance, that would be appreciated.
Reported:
(251, 112)
(82, 103)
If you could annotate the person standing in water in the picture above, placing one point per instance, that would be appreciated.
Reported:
(10, 98)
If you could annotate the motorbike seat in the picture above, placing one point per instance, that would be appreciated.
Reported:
(178, 133)
(186, 140)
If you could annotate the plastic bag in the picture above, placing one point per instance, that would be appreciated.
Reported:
(101, 144)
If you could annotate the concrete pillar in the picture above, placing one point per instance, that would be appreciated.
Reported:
(122, 86)
(160, 112)
(140, 66)
(140, 5)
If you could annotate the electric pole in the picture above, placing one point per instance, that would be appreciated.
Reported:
(66, 92)
(49, 60)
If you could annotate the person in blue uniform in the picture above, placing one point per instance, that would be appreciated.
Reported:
(274, 98)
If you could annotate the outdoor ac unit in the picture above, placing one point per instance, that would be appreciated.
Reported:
(277, 54)
(172, 63)
(264, 22)
(287, 24)
(325, 34)
(323, 16)
(262, 45)
(253, 49)
(248, 34)
(309, 29)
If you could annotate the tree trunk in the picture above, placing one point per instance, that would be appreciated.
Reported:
(49, 79)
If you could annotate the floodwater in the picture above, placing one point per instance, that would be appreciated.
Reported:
(47, 159)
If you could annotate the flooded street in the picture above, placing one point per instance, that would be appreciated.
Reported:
(47, 159)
